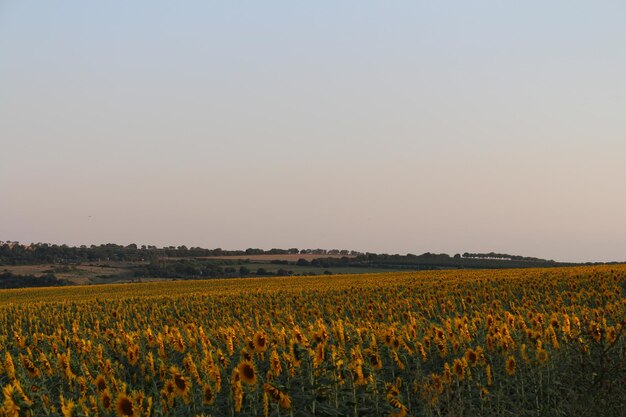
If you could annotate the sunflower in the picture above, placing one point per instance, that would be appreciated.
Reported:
(30, 367)
(67, 408)
(207, 395)
(221, 358)
(247, 356)
(422, 351)
(471, 356)
(542, 355)
(447, 374)
(399, 410)
(318, 359)
(133, 354)
(440, 334)
(216, 377)
(150, 337)
(275, 363)
(357, 373)
(459, 369)
(321, 336)
(272, 391)
(138, 397)
(374, 359)
(296, 354)
(10, 406)
(191, 368)
(93, 405)
(247, 372)
(64, 364)
(169, 390)
(179, 344)
(9, 368)
(437, 383)
(284, 402)
(237, 393)
(260, 341)
(150, 362)
(266, 404)
(181, 384)
(510, 365)
(21, 342)
(105, 399)
(299, 336)
(46, 364)
(611, 335)
(392, 390)
(442, 346)
(124, 406)
(82, 383)
(229, 345)
(396, 343)
(524, 353)
(397, 360)
(100, 383)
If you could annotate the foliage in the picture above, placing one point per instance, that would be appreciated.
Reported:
(10, 280)
(13, 253)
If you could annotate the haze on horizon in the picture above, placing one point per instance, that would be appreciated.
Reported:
(377, 126)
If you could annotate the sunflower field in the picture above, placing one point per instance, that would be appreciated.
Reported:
(535, 342)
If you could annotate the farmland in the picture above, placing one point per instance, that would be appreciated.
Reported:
(537, 342)
(41, 264)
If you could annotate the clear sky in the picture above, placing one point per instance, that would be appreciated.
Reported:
(403, 126)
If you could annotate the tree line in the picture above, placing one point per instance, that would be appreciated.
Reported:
(10, 280)
(14, 253)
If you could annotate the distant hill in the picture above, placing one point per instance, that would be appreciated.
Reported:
(48, 264)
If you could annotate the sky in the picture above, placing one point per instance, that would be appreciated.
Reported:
(390, 127)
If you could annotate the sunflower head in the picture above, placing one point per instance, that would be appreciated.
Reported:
(611, 335)
(133, 354)
(105, 399)
(275, 363)
(30, 367)
(247, 372)
(272, 391)
(437, 383)
(510, 365)
(246, 355)
(169, 389)
(542, 355)
(396, 343)
(471, 356)
(284, 402)
(181, 383)
(67, 408)
(100, 383)
(207, 395)
(124, 406)
(459, 369)
(260, 341)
